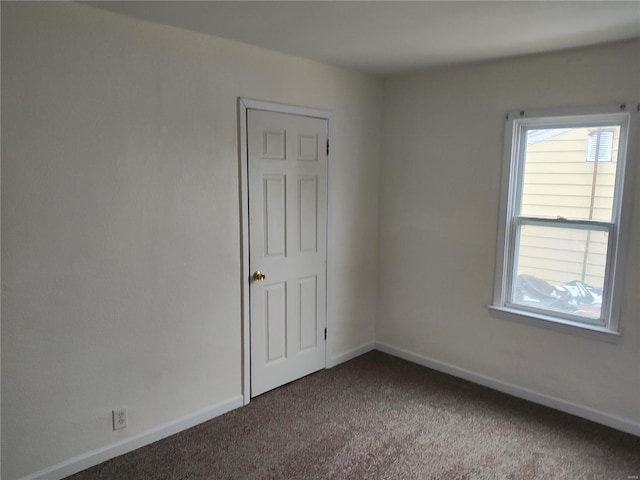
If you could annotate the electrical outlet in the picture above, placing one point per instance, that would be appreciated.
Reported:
(120, 419)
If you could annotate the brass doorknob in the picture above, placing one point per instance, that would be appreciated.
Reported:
(258, 276)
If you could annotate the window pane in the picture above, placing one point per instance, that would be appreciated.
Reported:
(560, 269)
(562, 177)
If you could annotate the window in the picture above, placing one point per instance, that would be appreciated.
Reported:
(560, 251)
(600, 145)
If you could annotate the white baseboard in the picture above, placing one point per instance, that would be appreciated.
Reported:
(350, 355)
(597, 416)
(89, 459)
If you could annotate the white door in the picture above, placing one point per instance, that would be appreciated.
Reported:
(287, 171)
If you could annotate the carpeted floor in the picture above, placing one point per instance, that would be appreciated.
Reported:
(379, 417)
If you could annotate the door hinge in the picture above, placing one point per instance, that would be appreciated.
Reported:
(325, 333)
(327, 147)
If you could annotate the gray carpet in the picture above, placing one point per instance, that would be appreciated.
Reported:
(379, 417)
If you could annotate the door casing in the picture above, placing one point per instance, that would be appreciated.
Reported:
(245, 104)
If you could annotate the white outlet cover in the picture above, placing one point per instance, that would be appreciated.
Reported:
(120, 419)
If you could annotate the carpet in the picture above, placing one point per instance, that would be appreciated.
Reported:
(380, 417)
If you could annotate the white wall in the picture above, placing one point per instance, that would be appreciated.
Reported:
(120, 221)
(442, 150)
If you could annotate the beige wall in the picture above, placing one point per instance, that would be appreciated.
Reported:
(442, 149)
(120, 221)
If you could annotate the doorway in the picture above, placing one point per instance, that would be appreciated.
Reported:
(284, 173)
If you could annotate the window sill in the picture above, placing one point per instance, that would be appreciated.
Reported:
(595, 332)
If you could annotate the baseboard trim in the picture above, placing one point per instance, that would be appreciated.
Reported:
(582, 411)
(89, 459)
(351, 354)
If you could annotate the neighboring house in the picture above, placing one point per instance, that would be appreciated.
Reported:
(564, 174)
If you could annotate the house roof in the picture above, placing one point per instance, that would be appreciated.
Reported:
(536, 136)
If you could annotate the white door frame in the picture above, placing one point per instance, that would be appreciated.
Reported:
(245, 104)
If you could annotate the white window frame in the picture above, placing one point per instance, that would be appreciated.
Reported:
(624, 115)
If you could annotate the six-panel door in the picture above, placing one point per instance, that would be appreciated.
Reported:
(287, 243)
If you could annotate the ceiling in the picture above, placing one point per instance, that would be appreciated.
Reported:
(390, 37)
